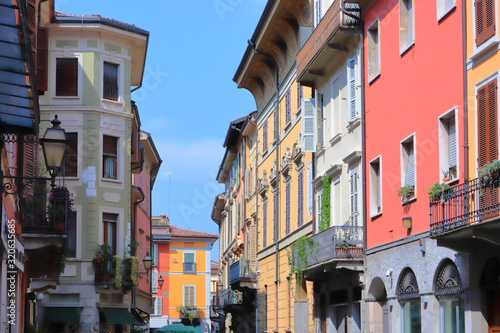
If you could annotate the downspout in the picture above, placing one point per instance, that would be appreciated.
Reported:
(466, 116)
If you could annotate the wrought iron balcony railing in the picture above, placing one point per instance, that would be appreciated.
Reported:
(242, 271)
(228, 297)
(471, 202)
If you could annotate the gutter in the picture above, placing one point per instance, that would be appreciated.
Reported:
(143, 65)
(466, 116)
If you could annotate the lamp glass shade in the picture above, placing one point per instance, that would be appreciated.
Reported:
(54, 146)
(161, 281)
(147, 262)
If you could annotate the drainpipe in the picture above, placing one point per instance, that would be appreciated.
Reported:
(466, 117)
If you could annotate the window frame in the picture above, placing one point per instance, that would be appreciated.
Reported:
(404, 162)
(120, 80)
(409, 302)
(184, 286)
(442, 10)
(53, 80)
(117, 67)
(355, 171)
(375, 187)
(353, 116)
(444, 144)
(373, 29)
(184, 262)
(406, 14)
(76, 154)
(116, 160)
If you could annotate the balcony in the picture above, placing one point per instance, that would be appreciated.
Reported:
(243, 275)
(329, 39)
(466, 213)
(338, 247)
(229, 298)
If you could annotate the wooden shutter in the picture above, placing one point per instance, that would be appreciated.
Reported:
(288, 106)
(42, 59)
(30, 159)
(158, 308)
(309, 189)
(410, 164)
(308, 126)
(379, 187)
(487, 123)
(485, 20)
(300, 199)
(452, 143)
(287, 208)
(134, 142)
(275, 215)
(354, 197)
(318, 208)
(264, 224)
(66, 77)
(189, 296)
(351, 68)
(264, 137)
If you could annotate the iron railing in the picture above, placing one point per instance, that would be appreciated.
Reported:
(471, 202)
(242, 271)
(228, 297)
(338, 242)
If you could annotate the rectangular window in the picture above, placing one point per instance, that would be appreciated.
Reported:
(264, 224)
(110, 157)
(154, 281)
(406, 25)
(158, 306)
(352, 74)
(109, 226)
(72, 234)
(189, 262)
(275, 215)
(264, 137)
(71, 156)
(485, 20)
(189, 296)
(288, 107)
(354, 194)
(320, 121)
(276, 125)
(410, 316)
(110, 88)
(408, 162)
(337, 201)
(451, 315)
(309, 126)
(375, 187)
(66, 77)
(443, 7)
(300, 198)
(319, 199)
(373, 51)
(487, 123)
(448, 147)
(287, 208)
(300, 95)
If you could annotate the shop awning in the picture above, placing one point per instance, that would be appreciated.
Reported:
(18, 98)
(62, 314)
(118, 316)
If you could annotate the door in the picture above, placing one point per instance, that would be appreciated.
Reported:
(494, 311)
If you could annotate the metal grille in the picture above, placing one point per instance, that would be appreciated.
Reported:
(448, 279)
(407, 286)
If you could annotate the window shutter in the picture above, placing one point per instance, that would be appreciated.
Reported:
(452, 143)
(319, 10)
(275, 215)
(42, 58)
(30, 160)
(264, 224)
(154, 281)
(253, 242)
(287, 208)
(410, 164)
(264, 137)
(487, 123)
(288, 106)
(308, 126)
(189, 296)
(158, 306)
(300, 199)
(66, 77)
(309, 189)
(300, 92)
(354, 197)
(318, 208)
(276, 125)
(351, 68)
(379, 188)
(485, 20)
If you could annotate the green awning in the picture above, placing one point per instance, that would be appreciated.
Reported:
(62, 315)
(118, 316)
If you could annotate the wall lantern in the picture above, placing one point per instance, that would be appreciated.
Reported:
(161, 281)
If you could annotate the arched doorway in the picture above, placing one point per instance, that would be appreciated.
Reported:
(377, 309)
(448, 289)
(490, 283)
(409, 298)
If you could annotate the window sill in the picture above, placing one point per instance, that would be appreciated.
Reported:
(297, 113)
(445, 14)
(320, 151)
(353, 124)
(110, 180)
(372, 216)
(370, 81)
(408, 201)
(402, 52)
(336, 138)
(109, 101)
(287, 126)
(66, 97)
(483, 52)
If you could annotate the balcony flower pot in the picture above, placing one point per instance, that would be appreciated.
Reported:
(406, 192)
(440, 192)
(489, 175)
(102, 263)
(60, 207)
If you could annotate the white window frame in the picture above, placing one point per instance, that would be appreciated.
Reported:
(184, 293)
(120, 230)
(350, 95)
(52, 80)
(373, 66)
(319, 199)
(443, 7)
(404, 159)
(406, 15)
(459, 307)
(184, 260)
(119, 133)
(357, 171)
(121, 81)
(444, 143)
(375, 189)
(335, 107)
(318, 12)
(156, 307)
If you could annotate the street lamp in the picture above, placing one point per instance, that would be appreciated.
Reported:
(161, 281)
(54, 144)
(147, 261)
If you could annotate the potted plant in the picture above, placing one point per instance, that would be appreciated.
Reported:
(489, 174)
(446, 175)
(102, 262)
(438, 191)
(60, 206)
(406, 192)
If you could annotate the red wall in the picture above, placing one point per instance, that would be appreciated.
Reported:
(412, 91)
(142, 221)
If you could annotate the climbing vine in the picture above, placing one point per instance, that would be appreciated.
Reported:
(325, 204)
(298, 254)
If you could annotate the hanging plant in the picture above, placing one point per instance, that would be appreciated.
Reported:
(325, 204)
(118, 271)
(133, 270)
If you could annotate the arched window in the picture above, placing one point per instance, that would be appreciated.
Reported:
(448, 288)
(409, 298)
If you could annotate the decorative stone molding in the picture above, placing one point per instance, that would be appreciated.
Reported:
(286, 163)
(297, 155)
(262, 184)
(273, 177)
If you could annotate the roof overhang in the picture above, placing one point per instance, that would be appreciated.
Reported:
(218, 207)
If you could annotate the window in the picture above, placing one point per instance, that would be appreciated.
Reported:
(109, 226)
(410, 316)
(319, 199)
(276, 125)
(354, 195)
(189, 263)
(189, 296)
(264, 224)
(71, 236)
(158, 306)
(373, 51)
(110, 87)
(318, 11)
(406, 25)
(352, 75)
(71, 156)
(375, 187)
(408, 162)
(443, 7)
(264, 137)
(110, 156)
(300, 95)
(321, 121)
(154, 281)
(337, 202)
(485, 20)
(300, 198)
(309, 127)
(487, 123)
(335, 102)
(448, 146)
(287, 208)
(288, 107)
(451, 315)
(66, 77)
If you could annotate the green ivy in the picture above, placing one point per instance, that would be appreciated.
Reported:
(298, 254)
(118, 272)
(133, 270)
(325, 204)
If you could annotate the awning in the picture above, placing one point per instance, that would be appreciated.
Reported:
(118, 316)
(18, 97)
(62, 314)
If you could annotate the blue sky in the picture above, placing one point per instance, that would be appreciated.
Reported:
(194, 50)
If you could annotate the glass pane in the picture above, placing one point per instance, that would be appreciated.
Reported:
(411, 317)
(451, 316)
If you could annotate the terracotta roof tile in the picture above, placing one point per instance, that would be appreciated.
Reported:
(178, 232)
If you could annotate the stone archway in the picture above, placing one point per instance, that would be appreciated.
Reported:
(377, 307)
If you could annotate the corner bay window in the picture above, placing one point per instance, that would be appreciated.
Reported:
(109, 157)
